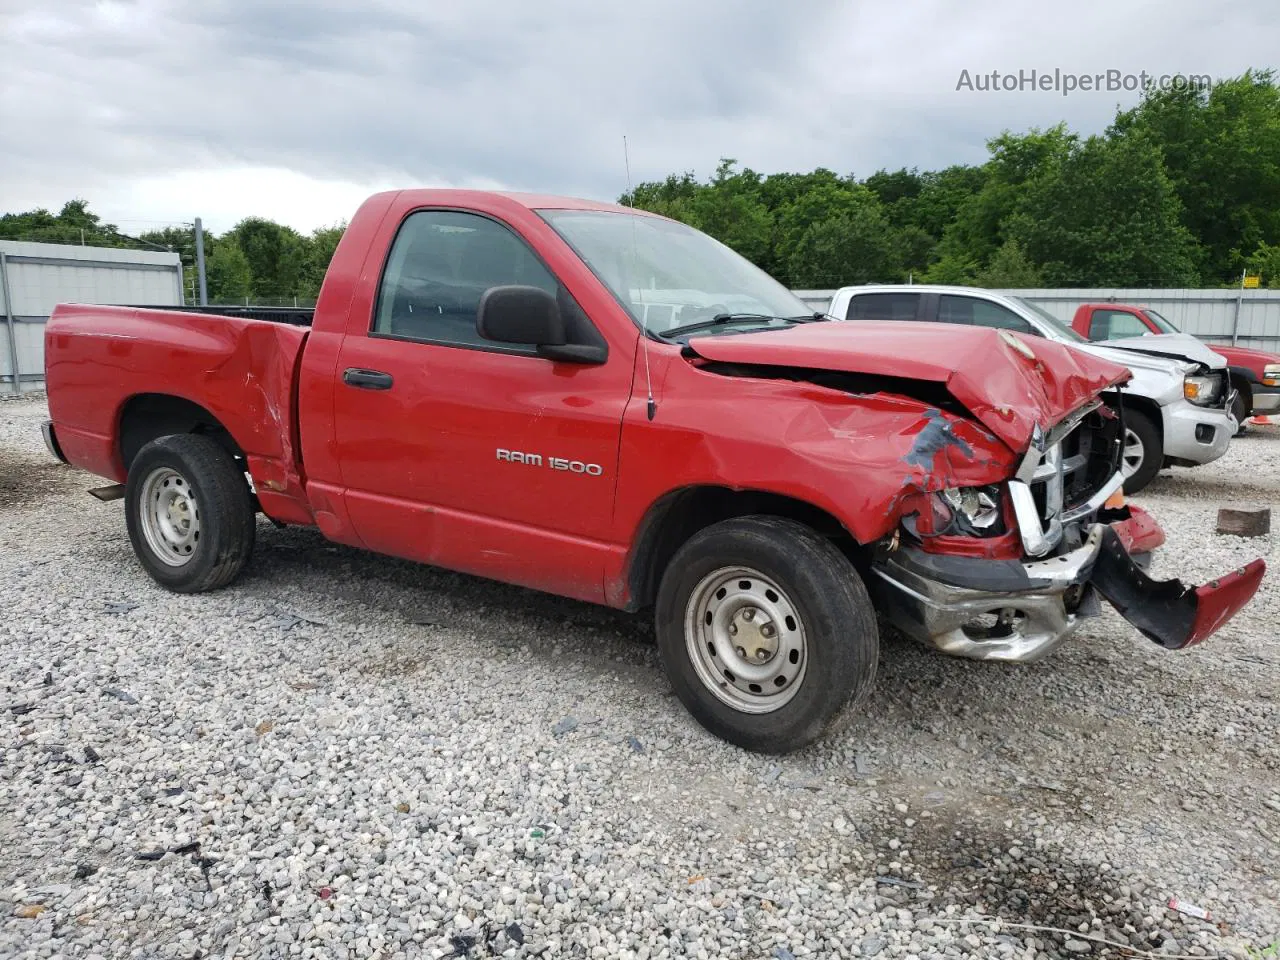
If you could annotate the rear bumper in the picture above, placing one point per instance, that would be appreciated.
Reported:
(1020, 612)
(51, 440)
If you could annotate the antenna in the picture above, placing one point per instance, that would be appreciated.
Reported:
(651, 406)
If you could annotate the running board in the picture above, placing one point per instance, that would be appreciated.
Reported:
(114, 491)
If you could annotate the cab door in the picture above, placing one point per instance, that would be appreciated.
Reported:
(466, 453)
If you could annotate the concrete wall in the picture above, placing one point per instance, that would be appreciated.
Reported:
(1209, 314)
(34, 277)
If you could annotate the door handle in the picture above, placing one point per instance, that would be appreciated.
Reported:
(367, 379)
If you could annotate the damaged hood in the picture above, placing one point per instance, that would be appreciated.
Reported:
(1179, 346)
(1011, 384)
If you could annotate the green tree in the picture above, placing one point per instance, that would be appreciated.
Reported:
(74, 223)
(228, 274)
(1017, 160)
(318, 251)
(854, 246)
(1010, 269)
(941, 196)
(953, 269)
(1106, 214)
(1265, 260)
(1222, 153)
(914, 251)
(730, 209)
(274, 254)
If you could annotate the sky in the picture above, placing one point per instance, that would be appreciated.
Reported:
(159, 111)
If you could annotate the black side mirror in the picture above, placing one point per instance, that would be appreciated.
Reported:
(516, 314)
(519, 314)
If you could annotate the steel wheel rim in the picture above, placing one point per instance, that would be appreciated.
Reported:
(170, 516)
(746, 640)
(1135, 451)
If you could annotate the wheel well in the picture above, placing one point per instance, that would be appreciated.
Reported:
(1244, 386)
(147, 416)
(678, 516)
(1150, 408)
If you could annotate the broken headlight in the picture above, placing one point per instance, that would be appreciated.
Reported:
(967, 511)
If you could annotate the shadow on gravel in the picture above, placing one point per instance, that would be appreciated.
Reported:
(918, 690)
(25, 481)
(1001, 876)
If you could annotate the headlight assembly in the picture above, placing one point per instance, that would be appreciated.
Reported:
(1203, 391)
(1271, 375)
(967, 511)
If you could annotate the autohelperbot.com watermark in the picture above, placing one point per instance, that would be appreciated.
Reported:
(1066, 82)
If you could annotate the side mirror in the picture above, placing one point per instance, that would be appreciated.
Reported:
(516, 314)
(519, 314)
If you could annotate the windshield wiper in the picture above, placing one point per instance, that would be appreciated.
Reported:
(724, 319)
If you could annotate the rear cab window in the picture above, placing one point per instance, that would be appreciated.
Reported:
(883, 306)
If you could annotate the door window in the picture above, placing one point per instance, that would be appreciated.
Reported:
(441, 263)
(1115, 325)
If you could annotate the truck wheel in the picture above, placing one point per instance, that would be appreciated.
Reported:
(1143, 454)
(189, 512)
(766, 632)
(1240, 410)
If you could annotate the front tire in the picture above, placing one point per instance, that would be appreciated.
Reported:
(1143, 454)
(766, 633)
(189, 512)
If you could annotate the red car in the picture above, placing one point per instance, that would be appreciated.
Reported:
(608, 405)
(1255, 374)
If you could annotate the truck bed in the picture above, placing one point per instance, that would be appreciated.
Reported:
(240, 371)
(294, 316)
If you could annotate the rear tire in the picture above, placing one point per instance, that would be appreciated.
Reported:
(766, 632)
(1143, 452)
(189, 512)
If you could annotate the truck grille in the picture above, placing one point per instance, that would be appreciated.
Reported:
(1078, 458)
(1081, 462)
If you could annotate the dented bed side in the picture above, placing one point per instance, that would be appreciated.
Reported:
(242, 371)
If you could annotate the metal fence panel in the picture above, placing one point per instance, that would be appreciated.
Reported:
(38, 276)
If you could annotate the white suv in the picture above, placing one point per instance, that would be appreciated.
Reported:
(1177, 406)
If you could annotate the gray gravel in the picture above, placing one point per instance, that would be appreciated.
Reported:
(348, 756)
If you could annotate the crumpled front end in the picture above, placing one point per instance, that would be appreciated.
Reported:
(1076, 545)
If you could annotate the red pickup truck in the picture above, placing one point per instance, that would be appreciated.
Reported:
(605, 404)
(1255, 374)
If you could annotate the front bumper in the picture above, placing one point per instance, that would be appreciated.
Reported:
(1265, 399)
(1021, 611)
(1196, 435)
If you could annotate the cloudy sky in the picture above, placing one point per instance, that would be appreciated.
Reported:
(162, 110)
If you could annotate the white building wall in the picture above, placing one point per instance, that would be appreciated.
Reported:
(39, 276)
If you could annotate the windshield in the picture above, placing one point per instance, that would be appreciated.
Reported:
(669, 275)
(1164, 325)
(1059, 328)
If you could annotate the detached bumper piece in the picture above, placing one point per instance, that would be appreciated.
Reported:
(1020, 611)
(1167, 611)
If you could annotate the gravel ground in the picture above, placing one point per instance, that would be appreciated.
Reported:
(348, 756)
